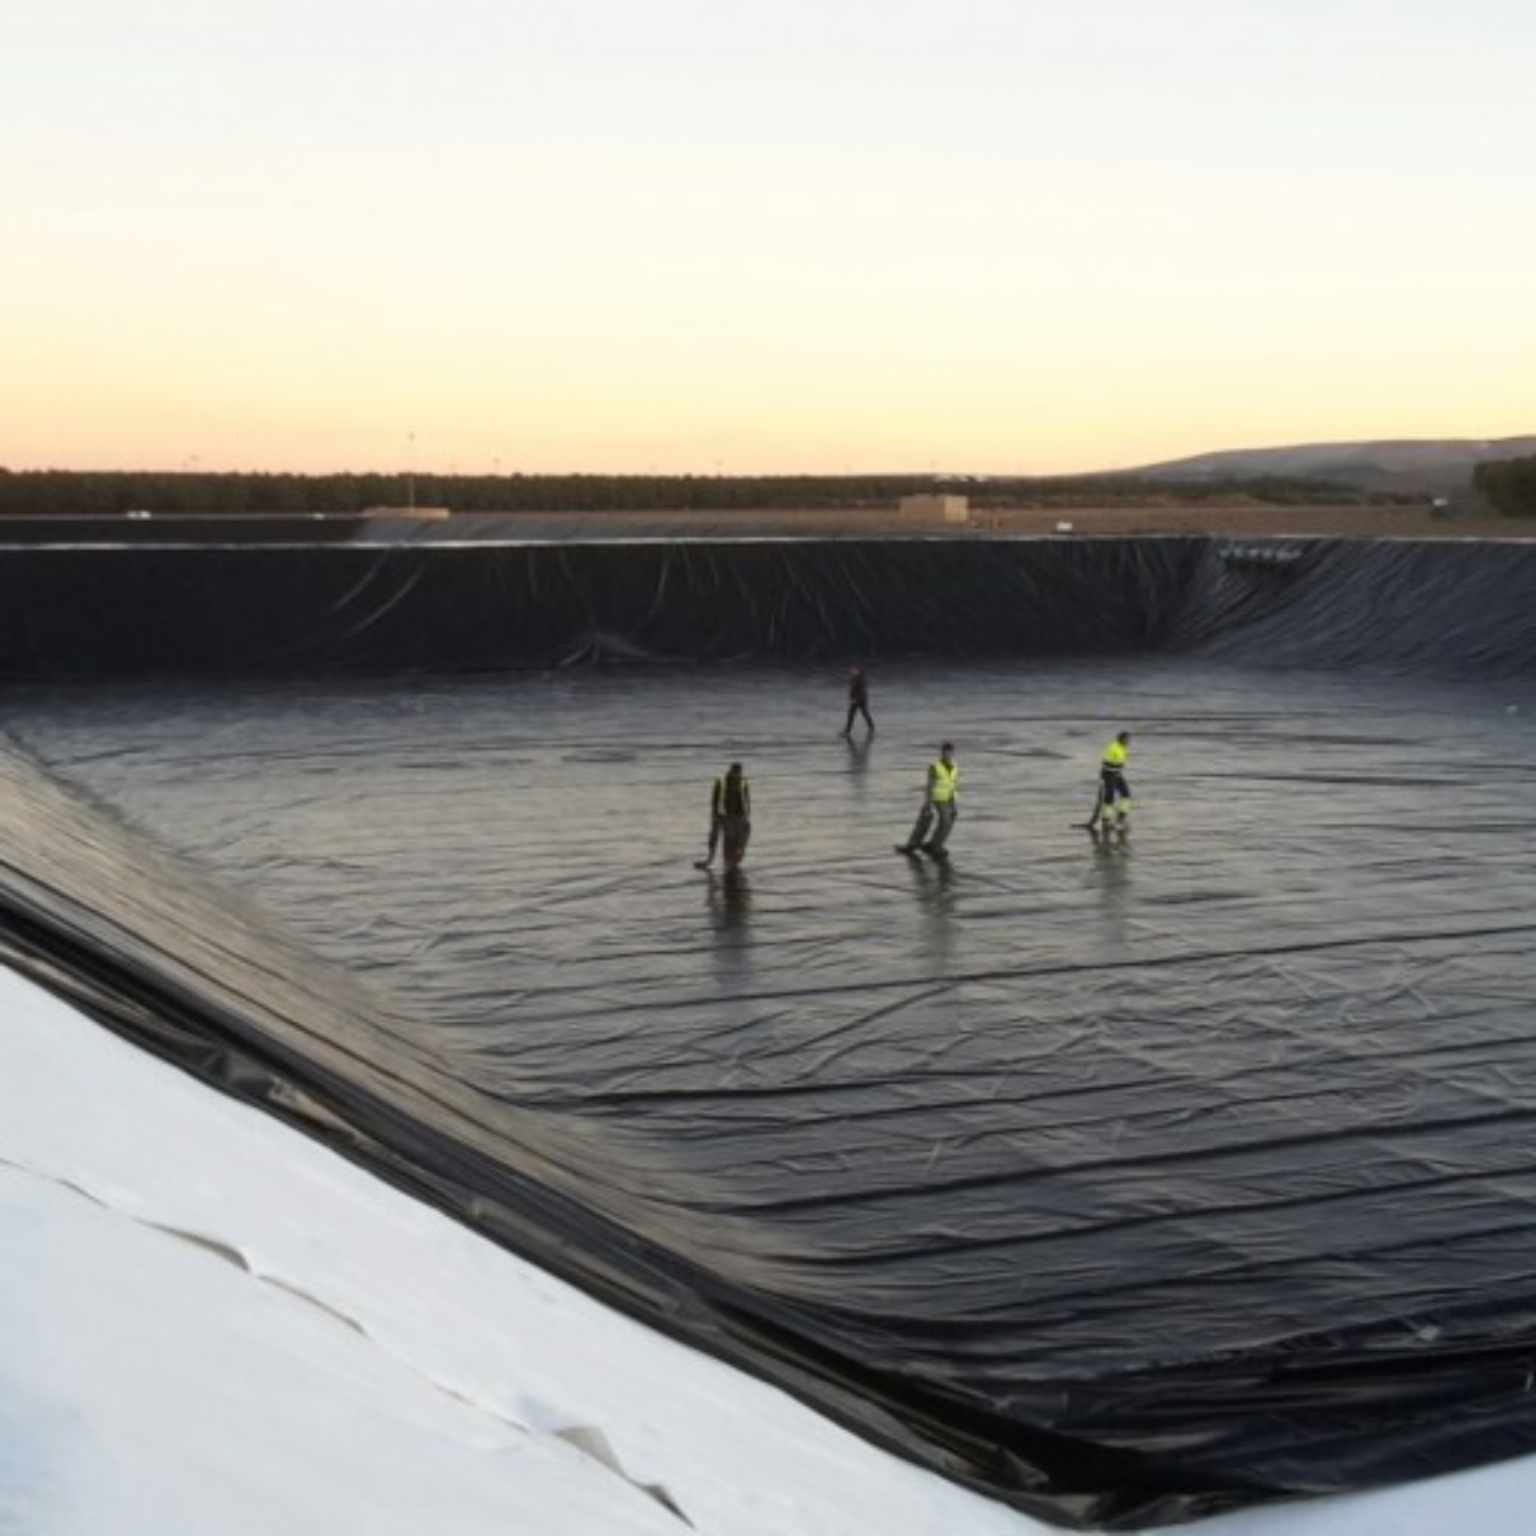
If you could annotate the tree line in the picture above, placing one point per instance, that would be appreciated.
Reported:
(1508, 486)
(91, 493)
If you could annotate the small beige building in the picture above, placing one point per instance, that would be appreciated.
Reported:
(935, 507)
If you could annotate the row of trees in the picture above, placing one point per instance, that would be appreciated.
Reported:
(1508, 486)
(71, 493)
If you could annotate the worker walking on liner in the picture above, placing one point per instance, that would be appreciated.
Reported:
(1112, 813)
(940, 807)
(858, 701)
(730, 819)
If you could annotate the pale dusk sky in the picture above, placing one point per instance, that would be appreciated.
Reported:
(988, 236)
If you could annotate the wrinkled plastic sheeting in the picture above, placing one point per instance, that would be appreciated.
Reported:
(220, 609)
(464, 600)
(1126, 1182)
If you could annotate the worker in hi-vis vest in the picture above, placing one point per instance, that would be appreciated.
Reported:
(1113, 811)
(730, 818)
(939, 806)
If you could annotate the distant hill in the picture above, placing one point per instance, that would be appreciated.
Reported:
(1428, 466)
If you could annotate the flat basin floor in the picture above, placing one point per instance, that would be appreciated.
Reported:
(1263, 1071)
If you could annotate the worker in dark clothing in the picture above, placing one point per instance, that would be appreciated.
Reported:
(1113, 811)
(939, 806)
(730, 818)
(858, 701)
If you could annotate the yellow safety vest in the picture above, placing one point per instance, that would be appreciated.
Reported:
(941, 779)
(1115, 755)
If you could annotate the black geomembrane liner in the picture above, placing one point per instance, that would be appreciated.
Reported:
(1125, 1181)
